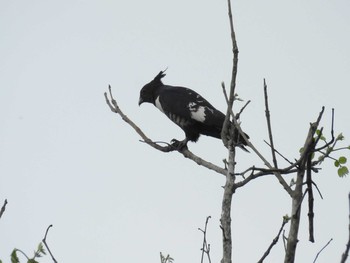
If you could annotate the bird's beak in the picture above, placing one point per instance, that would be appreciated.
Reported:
(140, 101)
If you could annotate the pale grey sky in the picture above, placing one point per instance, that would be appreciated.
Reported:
(66, 160)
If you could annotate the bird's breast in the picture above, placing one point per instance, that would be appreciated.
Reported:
(182, 122)
(158, 105)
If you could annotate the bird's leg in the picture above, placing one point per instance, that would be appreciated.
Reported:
(179, 145)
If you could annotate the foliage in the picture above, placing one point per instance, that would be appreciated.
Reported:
(339, 162)
(39, 252)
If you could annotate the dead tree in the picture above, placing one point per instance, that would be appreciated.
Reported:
(303, 166)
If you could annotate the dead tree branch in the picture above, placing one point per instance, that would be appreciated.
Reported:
(275, 240)
(268, 120)
(113, 105)
(271, 168)
(205, 247)
(319, 252)
(3, 208)
(229, 188)
(310, 199)
(298, 191)
(47, 247)
(346, 252)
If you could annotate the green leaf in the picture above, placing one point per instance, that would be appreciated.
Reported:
(41, 251)
(321, 158)
(302, 149)
(286, 218)
(336, 163)
(342, 160)
(340, 137)
(329, 150)
(319, 134)
(343, 171)
(14, 257)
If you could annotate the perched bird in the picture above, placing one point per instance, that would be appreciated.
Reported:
(189, 110)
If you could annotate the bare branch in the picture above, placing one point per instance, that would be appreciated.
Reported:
(332, 134)
(198, 160)
(278, 175)
(240, 112)
(231, 96)
(281, 155)
(310, 200)
(47, 247)
(318, 190)
(3, 208)
(263, 172)
(275, 240)
(224, 91)
(319, 252)
(346, 252)
(113, 105)
(298, 191)
(268, 120)
(235, 123)
(229, 188)
(205, 247)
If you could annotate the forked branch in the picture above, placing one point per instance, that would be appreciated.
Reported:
(46, 245)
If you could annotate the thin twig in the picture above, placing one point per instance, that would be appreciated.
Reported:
(319, 252)
(275, 240)
(284, 240)
(260, 174)
(346, 252)
(318, 190)
(250, 145)
(205, 247)
(332, 134)
(242, 134)
(281, 155)
(268, 120)
(47, 247)
(3, 208)
(242, 109)
(224, 91)
(310, 200)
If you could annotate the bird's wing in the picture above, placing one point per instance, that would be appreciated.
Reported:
(188, 104)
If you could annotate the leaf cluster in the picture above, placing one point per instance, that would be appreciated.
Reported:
(39, 252)
(339, 162)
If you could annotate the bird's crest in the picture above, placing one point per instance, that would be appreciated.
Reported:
(160, 75)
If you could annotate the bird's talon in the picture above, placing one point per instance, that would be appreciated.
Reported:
(174, 141)
(178, 145)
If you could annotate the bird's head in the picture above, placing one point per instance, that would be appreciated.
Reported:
(147, 93)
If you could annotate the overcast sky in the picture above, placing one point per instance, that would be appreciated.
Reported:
(67, 160)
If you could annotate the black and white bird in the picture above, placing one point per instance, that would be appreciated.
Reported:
(186, 108)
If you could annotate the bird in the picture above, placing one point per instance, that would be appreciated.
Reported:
(189, 110)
